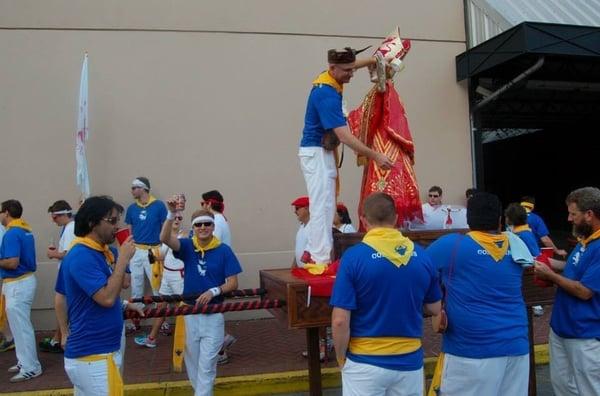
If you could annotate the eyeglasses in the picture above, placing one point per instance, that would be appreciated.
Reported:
(433, 196)
(203, 223)
(179, 218)
(111, 220)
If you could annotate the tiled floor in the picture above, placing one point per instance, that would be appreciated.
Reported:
(263, 346)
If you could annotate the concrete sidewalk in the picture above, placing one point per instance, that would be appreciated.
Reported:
(266, 359)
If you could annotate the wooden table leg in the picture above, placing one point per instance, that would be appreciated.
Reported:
(314, 361)
(532, 377)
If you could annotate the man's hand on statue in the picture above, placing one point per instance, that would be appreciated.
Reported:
(383, 161)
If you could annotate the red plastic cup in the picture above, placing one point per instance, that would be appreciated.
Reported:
(547, 252)
(122, 235)
(542, 258)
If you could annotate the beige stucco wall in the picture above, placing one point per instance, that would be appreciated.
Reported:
(203, 95)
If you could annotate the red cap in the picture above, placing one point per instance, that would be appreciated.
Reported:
(300, 202)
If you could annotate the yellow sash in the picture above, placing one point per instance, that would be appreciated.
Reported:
(528, 206)
(89, 242)
(115, 382)
(157, 269)
(436, 381)
(19, 223)
(2, 312)
(326, 79)
(178, 343)
(521, 228)
(490, 243)
(391, 244)
(144, 246)
(589, 239)
(141, 205)
(25, 275)
(383, 346)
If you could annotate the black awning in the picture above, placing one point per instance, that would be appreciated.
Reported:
(521, 45)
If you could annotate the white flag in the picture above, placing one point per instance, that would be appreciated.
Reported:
(82, 177)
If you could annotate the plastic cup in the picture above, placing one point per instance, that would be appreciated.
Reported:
(547, 252)
(122, 235)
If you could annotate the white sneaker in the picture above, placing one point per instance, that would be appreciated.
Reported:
(26, 376)
(14, 369)
(223, 358)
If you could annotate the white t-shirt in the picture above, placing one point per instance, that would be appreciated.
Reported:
(222, 229)
(170, 261)
(67, 236)
(300, 247)
(346, 228)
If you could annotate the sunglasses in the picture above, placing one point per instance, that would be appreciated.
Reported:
(179, 218)
(111, 220)
(203, 223)
(433, 196)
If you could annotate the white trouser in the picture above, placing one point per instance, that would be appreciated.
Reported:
(90, 378)
(574, 365)
(360, 379)
(19, 297)
(499, 376)
(171, 283)
(139, 265)
(203, 340)
(318, 168)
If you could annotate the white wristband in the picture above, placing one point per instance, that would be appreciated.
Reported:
(171, 216)
(215, 291)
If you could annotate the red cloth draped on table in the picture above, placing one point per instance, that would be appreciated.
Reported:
(380, 122)
(320, 285)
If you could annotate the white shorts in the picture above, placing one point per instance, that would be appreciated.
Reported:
(171, 283)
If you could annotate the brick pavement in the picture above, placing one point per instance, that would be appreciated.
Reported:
(263, 346)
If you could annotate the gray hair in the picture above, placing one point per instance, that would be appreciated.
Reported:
(586, 198)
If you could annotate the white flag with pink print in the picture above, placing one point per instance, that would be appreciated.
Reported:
(82, 177)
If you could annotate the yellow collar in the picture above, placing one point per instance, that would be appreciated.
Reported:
(19, 223)
(89, 242)
(528, 206)
(391, 244)
(521, 228)
(589, 239)
(495, 244)
(325, 78)
(213, 244)
(141, 205)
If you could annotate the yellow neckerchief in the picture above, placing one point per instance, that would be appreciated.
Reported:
(325, 78)
(141, 205)
(19, 223)
(436, 381)
(89, 242)
(528, 206)
(115, 382)
(490, 243)
(383, 346)
(521, 228)
(390, 243)
(589, 239)
(213, 244)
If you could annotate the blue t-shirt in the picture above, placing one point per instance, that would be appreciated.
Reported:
(323, 113)
(537, 225)
(93, 328)
(20, 243)
(530, 241)
(202, 273)
(573, 317)
(59, 287)
(486, 312)
(385, 300)
(146, 222)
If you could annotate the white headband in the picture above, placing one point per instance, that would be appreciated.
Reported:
(203, 218)
(139, 183)
(59, 212)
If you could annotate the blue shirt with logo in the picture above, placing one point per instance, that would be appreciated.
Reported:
(146, 222)
(573, 317)
(486, 312)
(323, 113)
(537, 225)
(93, 328)
(19, 243)
(385, 300)
(530, 241)
(204, 272)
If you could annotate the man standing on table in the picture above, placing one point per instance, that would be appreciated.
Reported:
(575, 324)
(381, 290)
(324, 124)
(145, 218)
(17, 269)
(210, 270)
